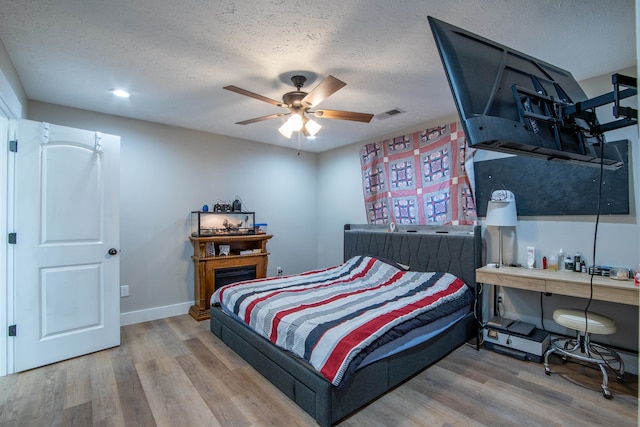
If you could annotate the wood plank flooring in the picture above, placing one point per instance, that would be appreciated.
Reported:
(174, 372)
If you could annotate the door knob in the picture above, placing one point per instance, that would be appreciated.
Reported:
(113, 251)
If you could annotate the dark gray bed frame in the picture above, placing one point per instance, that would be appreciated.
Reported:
(454, 249)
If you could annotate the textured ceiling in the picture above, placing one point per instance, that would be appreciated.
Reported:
(176, 55)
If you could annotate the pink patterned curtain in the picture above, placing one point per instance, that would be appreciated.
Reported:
(419, 179)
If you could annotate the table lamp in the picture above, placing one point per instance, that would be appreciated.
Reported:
(501, 212)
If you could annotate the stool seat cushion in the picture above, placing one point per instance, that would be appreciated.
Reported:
(574, 319)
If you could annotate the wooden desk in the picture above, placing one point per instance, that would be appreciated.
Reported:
(561, 283)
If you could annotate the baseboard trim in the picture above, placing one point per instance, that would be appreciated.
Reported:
(154, 313)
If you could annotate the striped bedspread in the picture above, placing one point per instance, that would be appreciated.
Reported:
(333, 318)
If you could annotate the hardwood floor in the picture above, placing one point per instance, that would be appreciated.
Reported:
(174, 372)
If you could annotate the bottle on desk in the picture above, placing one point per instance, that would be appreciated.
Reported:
(576, 262)
(568, 263)
(560, 260)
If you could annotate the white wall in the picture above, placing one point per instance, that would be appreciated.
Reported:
(13, 100)
(340, 200)
(167, 172)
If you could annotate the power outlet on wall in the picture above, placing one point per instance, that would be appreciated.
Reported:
(279, 271)
(500, 298)
(124, 291)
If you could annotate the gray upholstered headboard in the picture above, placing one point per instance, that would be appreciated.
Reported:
(454, 249)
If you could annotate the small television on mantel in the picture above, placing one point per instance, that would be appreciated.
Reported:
(513, 103)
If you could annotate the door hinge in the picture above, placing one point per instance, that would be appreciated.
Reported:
(12, 238)
(13, 146)
(12, 330)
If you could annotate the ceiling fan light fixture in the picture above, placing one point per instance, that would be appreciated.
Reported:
(312, 127)
(285, 130)
(295, 122)
(299, 103)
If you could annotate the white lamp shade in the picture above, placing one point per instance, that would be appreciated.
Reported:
(286, 130)
(502, 213)
(295, 122)
(312, 127)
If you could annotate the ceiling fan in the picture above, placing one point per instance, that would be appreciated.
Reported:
(299, 103)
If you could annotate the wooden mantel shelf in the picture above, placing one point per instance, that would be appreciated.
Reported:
(205, 264)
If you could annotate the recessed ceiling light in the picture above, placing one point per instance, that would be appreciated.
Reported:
(121, 93)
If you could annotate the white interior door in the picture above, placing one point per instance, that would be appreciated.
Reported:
(66, 281)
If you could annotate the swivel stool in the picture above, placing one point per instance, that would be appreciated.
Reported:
(581, 347)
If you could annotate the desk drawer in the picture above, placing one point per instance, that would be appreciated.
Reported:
(601, 292)
(510, 280)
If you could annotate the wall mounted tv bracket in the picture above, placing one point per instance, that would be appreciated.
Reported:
(536, 108)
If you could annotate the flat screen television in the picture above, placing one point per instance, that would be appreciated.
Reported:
(513, 103)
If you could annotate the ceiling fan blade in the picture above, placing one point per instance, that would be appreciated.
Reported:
(259, 119)
(344, 115)
(326, 88)
(253, 95)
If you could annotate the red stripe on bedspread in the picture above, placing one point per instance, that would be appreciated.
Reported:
(277, 318)
(252, 305)
(352, 340)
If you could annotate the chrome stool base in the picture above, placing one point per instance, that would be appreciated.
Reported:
(581, 348)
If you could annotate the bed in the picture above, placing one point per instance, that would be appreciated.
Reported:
(452, 249)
